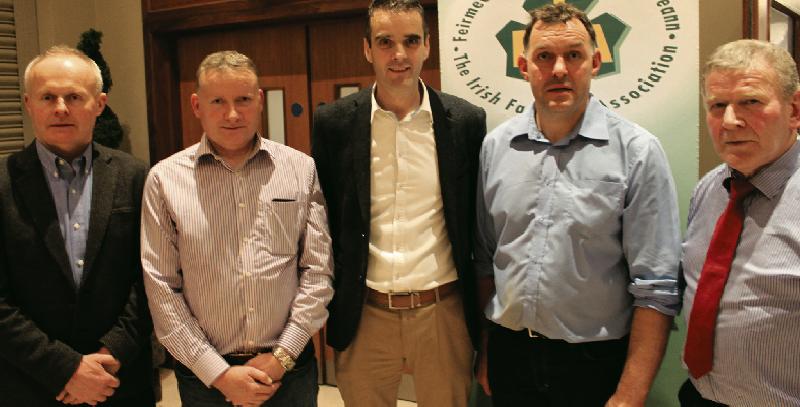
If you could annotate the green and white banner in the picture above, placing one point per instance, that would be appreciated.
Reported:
(650, 71)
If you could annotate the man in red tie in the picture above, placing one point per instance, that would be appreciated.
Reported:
(741, 256)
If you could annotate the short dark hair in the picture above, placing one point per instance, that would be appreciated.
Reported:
(558, 13)
(394, 6)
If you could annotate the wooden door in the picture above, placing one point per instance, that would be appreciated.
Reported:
(279, 52)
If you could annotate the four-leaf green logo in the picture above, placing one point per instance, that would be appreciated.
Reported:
(610, 32)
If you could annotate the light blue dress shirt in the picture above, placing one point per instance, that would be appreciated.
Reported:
(71, 187)
(578, 232)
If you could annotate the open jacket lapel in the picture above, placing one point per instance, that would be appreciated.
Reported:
(448, 149)
(361, 149)
(104, 174)
(34, 192)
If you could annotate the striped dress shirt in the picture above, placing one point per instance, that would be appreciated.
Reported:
(235, 260)
(756, 353)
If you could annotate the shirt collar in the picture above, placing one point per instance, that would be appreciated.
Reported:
(204, 149)
(52, 167)
(592, 125)
(424, 106)
(771, 179)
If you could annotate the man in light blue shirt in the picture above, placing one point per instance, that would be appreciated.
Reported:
(578, 236)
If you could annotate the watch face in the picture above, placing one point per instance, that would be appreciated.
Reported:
(283, 357)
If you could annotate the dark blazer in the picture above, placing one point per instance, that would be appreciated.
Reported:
(46, 322)
(340, 145)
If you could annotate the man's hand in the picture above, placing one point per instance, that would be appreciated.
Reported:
(113, 366)
(268, 364)
(245, 386)
(482, 370)
(91, 383)
(617, 400)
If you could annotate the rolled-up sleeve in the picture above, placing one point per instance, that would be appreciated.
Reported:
(651, 231)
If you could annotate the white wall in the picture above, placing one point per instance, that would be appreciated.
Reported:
(793, 5)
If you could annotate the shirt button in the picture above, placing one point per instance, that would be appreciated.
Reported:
(79, 263)
(60, 161)
(55, 174)
(76, 226)
(73, 191)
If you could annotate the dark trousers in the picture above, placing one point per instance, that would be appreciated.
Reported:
(525, 371)
(299, 386)
(690, 397)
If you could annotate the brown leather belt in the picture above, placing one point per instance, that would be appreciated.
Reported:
(410, 299)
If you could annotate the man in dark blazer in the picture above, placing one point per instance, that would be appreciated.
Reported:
(397, 163)
(74, 323)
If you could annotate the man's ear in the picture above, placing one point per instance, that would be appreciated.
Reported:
(367, 51)
(597, 61)
(194, 100)
(427, 45)
(522, 64)
(794, 119)
(102, 99)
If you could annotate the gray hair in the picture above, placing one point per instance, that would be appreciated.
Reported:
(743, 55)
(225, 60)
(64, 50)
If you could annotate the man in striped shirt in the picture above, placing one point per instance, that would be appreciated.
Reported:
(236, 252)
(752, 98)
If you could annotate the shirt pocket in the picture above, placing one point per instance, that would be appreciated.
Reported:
(595, 206)
(283, 226)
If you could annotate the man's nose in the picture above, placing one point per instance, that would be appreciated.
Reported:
(559, 67)
(730, 120)
(399, 52)
(61, 107)
(232, 114)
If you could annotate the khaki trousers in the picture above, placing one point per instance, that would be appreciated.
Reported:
(431, 343)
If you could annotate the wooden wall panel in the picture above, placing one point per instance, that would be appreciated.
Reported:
(163, 5)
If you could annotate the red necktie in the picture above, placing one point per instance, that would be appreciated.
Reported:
(698, 352)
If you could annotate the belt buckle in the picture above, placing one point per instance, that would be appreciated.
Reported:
(410, 294)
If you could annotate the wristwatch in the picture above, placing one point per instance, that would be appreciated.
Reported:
(283, 358)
